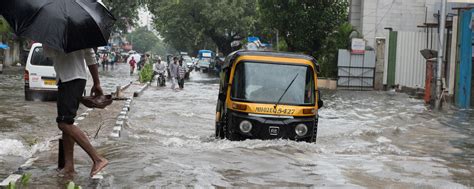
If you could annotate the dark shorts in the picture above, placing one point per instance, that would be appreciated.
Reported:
(69, 95)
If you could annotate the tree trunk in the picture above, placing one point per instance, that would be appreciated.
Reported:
(223, 43)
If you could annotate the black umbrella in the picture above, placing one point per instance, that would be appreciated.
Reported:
(66, 25)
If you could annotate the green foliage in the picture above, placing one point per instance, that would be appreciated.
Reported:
(144, 41)
(125, 11)
(11, 185)
(25, 179)
(327, 56)
(146, 74)
(309, 26)
(304, 24)
(71, 185)
(192, 25)
(314, 27)
(4, 27)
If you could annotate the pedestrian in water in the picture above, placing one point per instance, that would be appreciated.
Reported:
(181, 74)
(71, 76)
(132, 63)
(113, 58)
(105, 60)
(174, 72)
(141, 62)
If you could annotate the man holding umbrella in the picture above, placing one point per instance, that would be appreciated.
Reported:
(72, 76)
(68, 31)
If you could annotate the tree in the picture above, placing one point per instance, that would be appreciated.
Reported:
(193, 24)
(144, 41)
(340, 39)
(306, 26)
(125, 11)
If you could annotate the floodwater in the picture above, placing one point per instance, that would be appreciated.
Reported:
(365, 140)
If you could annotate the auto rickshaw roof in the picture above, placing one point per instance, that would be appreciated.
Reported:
(229, 61)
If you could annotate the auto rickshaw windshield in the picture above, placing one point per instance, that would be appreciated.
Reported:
(267, 82)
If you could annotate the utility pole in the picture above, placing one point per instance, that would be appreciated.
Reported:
(442, 19)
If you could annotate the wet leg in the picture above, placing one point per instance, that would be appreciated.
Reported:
(80, 138)
(68, 143)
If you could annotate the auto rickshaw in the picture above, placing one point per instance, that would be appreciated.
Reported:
(268, 95)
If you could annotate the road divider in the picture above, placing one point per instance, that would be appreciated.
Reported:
(121, 119)
(140, 91)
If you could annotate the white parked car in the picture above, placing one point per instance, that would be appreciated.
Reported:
(40, 77)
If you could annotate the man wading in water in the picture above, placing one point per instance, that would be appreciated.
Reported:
(72, 76)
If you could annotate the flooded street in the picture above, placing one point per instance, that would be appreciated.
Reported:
(27, 127)
(365, 139)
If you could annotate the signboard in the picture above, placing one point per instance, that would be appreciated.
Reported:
(357, 46)
(207, 55)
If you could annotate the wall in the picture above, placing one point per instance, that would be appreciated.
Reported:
(355, 14)
(410, 64)
(372, 16)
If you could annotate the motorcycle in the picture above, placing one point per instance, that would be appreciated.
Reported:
(161, 80)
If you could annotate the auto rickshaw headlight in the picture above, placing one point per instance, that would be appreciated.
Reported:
(301, 129)
(245, 126)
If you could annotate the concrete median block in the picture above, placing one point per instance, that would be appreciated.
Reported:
(119, 122)
(115, 134)
(29, 163)
(12, 178)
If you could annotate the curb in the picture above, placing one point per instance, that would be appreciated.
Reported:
(121, 118)
(140, 91)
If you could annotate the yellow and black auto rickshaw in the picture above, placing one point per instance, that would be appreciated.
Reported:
(268, 95)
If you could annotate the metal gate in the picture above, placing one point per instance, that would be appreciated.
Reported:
(356, 71)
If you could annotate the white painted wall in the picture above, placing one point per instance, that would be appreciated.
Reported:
(401, 15)
(370, 17)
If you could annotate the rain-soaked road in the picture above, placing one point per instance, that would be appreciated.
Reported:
(26, 127)
(365, 139)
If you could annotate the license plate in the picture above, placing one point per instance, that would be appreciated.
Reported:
(49, 82)
(274, 131)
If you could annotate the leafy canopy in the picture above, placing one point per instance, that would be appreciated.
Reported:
(144, 41)
(198, 22)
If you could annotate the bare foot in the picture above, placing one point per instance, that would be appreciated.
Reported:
(98, 166)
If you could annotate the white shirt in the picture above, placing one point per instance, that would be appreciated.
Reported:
(71, 66)
(159, 67)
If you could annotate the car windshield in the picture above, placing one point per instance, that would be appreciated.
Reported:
(267, 82)
(187, 59)
(204, 61)
(38, 58)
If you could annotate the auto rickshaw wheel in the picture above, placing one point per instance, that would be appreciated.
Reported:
(220, 132)
(229, 133)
